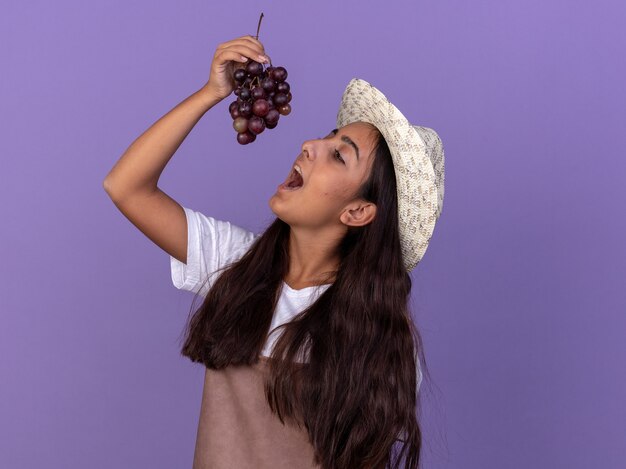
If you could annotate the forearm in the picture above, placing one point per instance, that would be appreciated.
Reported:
(141, 165)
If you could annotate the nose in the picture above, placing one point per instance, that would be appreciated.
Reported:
(309, 149)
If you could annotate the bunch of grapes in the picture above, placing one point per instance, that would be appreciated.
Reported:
(263, 95)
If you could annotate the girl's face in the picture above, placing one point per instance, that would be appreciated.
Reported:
(333, 169)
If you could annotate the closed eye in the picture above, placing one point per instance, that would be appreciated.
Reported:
(337, 155)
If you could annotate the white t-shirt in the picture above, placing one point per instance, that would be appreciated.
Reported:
(213, 243)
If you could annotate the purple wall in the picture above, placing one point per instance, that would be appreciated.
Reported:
(520, 297)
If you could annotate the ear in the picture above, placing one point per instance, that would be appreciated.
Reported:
(358, 213)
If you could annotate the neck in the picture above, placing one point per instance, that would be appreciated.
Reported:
(312, 257)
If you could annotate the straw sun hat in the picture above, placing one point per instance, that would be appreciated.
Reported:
(417, 154)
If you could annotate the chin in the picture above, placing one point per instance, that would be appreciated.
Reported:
(272, 202)
(277, 211)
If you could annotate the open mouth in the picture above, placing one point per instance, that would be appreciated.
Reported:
(293, 182)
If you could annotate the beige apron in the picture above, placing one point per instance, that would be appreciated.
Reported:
(237, 429)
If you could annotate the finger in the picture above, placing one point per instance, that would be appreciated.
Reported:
(250, 52)
(244, 40)
(253, 39)
(233, 55)
(248, 39)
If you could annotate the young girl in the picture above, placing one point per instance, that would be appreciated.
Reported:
(312, 358)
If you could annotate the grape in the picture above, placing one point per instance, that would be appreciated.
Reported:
(232, 107)
(280, 99)
(272, 116)
(240, 124)
(279, 74)
(268, 84)
(254, 68)
(256, 124)
(289, 97)
(260, 107)
(245, 109)
(285, 109)
(270, 126)
(258, 92)
(245, 94)
(246, 137)
(240, 75)
(283, 87)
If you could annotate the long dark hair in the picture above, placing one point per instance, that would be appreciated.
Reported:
(346, 367)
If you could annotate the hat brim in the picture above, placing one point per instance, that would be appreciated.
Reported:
(415, 176)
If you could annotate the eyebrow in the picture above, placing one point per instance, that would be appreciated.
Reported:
(347, 139)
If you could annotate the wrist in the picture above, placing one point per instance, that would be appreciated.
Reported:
(209, 96)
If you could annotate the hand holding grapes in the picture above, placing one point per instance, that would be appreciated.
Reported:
(229, 56)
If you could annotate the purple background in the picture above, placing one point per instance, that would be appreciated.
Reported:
(520, 296)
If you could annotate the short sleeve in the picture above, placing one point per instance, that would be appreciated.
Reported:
(211, 244)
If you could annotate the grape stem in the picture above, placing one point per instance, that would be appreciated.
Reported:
(258, 27)
(257, 33)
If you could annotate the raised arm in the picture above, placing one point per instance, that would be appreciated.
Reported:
(132, 183)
